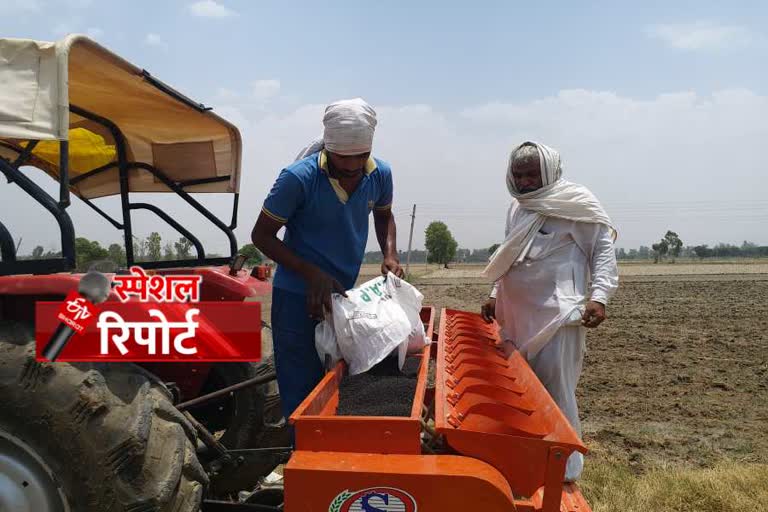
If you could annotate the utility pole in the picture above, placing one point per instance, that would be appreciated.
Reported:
(410, 240)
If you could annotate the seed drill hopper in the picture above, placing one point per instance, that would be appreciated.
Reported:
(485, 437)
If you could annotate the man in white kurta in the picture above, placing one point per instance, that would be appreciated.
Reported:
(554, 275)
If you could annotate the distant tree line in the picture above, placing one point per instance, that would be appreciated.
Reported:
(90, 253)
(420, 256)
(643, 253)
(442, 248)
(721, 250)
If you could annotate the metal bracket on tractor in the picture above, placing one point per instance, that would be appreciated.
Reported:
(496, 435)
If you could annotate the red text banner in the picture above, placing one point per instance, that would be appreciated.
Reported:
(162, 332)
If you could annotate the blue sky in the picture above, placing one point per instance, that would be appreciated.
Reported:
(659, 107)
(438, 53)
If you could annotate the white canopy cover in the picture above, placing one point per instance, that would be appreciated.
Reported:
(39, 81)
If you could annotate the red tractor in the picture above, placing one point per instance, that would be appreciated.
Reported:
(482, 434)
(120, 436)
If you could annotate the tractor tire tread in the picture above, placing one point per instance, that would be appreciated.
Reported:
(107, 430)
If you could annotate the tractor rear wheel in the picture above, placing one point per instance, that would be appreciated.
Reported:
(90, 436)
(251, 417)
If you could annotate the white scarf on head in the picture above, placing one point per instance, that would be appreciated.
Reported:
(556, 198)
(349, 127)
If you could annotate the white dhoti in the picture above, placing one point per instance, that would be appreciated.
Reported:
(545, 291)
(557, 238)
(540, 302)
(558, 367)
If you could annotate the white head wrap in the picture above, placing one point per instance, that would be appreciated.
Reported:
(549, 160)
(556, 198)
(349, 127)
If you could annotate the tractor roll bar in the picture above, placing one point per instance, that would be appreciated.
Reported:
(124, 166)
(190, 200)
(10, 264)
(57, 209)
(175, 225)
(64, 173)
(102, 213)
(7, 249)
(122, 158)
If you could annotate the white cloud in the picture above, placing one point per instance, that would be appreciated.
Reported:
(265, 89)
(210, 9)
(226, 95)
(704, 35)
(21, 5)
(155, 40)
(662, 163)
(254, 100)
(683, 161)
(94, 32)
(63, 28)
(76, 25)
(655, 162)
(78, 4)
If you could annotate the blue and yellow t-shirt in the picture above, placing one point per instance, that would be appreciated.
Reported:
(323, 224)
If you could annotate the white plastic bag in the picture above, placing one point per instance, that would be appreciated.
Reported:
(325, 343)
(376, 318)
(410, 299)
(369, 325)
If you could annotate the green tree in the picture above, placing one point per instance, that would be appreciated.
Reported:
(153, 246)
(660, 250)
(749, 249)
(139, 251)
(462, 255)
(252, 253)
(183, 248)
(168, 253)
(674, 243)
(492, 249)
(37, 252)
(88, 252)
(440, 243)
(702, 251)
(117, 254)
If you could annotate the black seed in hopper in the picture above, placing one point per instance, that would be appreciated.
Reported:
(377, 393)
(411, 366)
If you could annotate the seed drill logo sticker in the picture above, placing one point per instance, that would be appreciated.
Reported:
(375, 499)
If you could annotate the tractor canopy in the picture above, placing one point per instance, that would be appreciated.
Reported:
(101, 126)
(51, 91)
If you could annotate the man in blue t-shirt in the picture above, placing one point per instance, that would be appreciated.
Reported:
(323, 200)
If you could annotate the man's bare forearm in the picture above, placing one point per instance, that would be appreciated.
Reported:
(267, 242)
(386, 233)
